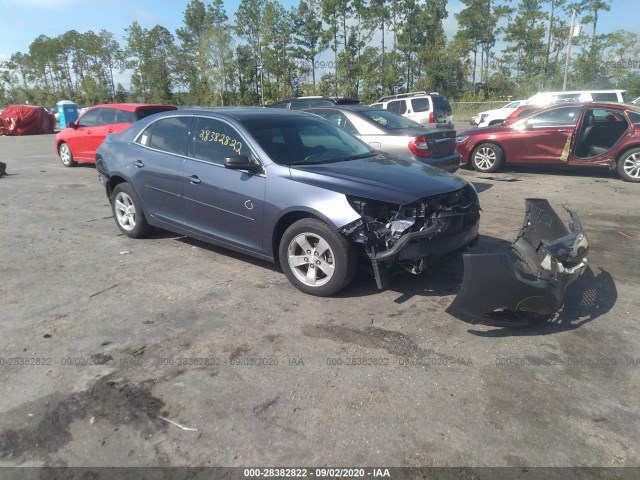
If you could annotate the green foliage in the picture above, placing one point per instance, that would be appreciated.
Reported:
(357, 48)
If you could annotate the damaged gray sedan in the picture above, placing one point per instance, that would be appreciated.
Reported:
(287, 187)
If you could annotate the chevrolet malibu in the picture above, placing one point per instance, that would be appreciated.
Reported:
(287, 187)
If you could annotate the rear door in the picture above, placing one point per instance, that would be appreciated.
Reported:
(110, 120)
(224, 204)
(157, 158)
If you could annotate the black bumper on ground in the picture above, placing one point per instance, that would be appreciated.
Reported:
(505, 289)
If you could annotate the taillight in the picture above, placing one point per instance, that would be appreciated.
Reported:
(432, 118)
(419, 147)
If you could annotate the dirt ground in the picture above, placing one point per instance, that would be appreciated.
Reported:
(170, 352)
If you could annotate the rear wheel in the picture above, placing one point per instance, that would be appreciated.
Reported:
(629, 165)
(487, 157)
(128, 212)
(316, 259)
(66, 157)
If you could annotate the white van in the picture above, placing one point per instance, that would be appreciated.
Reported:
(545, 98)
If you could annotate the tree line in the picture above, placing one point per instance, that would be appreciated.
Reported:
(354, 48)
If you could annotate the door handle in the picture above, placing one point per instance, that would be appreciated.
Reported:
(194, 179)
(138, 163)
(110, 130)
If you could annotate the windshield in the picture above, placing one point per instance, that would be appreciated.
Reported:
(299, 141)
(390, 120)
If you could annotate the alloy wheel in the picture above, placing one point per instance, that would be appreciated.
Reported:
(311, 259)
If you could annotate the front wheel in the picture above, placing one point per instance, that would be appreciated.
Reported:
(629, 165)
(66, 157)
(316, 259)
(128, 212)
(487, 157)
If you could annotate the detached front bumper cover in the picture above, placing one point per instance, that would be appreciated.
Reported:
(505, 289)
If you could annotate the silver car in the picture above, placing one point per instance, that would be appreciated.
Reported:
(391, 133)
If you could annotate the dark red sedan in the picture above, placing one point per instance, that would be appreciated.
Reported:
(587, 134)
(79, 142)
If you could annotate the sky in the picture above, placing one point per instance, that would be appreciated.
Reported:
(22, 21)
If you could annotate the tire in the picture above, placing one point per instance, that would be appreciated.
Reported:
(128, 213)
(487, 157)
(628, 165)
(316, 259)
(66, 157)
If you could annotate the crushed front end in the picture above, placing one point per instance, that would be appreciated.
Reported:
(414, 235)
(508, 289)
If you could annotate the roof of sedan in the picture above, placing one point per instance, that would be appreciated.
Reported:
(132, 107)
(245, 113)
(352, 108)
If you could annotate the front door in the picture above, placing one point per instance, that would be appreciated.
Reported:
(221, 203)
(543, 138)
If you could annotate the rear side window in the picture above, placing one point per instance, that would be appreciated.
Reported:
(90, 118)
(420, 104)
(338, 119)
(634, 117)
(214, 140)
(125, 116)
(397, 106)
(169, 135)
(107, 116)
(145, 112)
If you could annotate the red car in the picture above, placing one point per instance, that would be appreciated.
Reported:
(585, 134)
(79, 142)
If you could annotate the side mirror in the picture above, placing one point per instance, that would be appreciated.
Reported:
(241, 162)
(74, 124)
(521, 125)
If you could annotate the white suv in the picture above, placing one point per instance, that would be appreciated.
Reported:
(578, 96)
(497, 116)
(421, 107)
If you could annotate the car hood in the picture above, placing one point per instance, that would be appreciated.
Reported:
(383, 177)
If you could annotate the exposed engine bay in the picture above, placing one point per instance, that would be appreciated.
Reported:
(414, 235)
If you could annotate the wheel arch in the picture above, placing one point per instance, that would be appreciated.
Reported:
(623, 152)
(112, 183)
(473, 149)
(288, 219)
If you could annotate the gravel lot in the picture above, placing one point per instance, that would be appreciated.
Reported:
(121, 337)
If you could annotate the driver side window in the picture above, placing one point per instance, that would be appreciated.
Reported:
(556, 117)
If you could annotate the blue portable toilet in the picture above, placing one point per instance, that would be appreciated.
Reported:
(67, 112)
